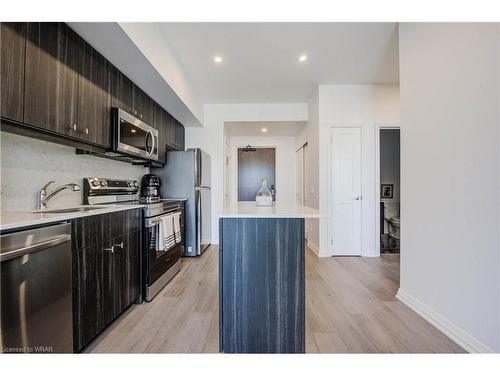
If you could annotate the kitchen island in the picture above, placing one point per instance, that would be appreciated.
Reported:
(262, 278)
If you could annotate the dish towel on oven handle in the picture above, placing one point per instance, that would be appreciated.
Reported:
(167, 224)
(177, 227)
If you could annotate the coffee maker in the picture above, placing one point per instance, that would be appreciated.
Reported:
(150, 189)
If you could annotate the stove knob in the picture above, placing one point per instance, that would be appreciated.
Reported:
(103, 183)
(136, 184)
(95, 183)
(130, 183)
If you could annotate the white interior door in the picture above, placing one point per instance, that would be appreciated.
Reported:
(346, 191)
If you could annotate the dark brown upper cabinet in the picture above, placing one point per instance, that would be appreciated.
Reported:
(170, 131)
(12, 49)
(94, 99)
(51, 81)
(55, 83)
(143, 106)
(122, 90)
(179, 136)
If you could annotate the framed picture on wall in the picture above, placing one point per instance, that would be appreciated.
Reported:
(386, 191)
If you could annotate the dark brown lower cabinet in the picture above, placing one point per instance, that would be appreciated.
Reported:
(106, 275)
(93, 307)
(127, 276)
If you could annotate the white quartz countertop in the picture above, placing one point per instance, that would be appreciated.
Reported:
(278, 210)
(14, 220)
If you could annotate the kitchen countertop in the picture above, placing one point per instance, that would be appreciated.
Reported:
(278, 210)
(14, 220)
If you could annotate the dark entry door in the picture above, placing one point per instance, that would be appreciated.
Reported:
(252, 167)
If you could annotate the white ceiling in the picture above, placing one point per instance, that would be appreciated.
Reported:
(261, 59)
(254, 128)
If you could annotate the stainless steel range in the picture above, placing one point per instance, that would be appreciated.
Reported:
(161, 259)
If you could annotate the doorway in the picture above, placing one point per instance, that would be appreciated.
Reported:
(254, 164)
(388, 189)
(301, 173)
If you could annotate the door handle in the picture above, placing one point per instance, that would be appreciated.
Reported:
(357, 197)
(110, 249)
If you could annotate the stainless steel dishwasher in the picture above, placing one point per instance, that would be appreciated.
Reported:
(36, 298)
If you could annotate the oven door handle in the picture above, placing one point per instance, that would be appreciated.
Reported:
(156, 220)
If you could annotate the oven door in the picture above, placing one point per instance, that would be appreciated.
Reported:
(158, 262)
(131, 136)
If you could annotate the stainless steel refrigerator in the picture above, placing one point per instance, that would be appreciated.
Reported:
(186, 174)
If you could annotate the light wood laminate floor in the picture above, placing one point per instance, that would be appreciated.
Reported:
(350, 308)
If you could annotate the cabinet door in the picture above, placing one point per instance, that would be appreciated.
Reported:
(12, 49)
(122, 90)
(94, 100)
(143, 106)
(50, 95)
(170, 132)
(93, 290)
(179, 136)
(127, 273)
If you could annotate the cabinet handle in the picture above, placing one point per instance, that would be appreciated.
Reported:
(86, 130)
(112, 249)
(120, 245)
(73, 127)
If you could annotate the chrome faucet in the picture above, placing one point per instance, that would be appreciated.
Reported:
(44, 197)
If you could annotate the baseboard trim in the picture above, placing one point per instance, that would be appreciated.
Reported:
(313, 247)
(455, 333)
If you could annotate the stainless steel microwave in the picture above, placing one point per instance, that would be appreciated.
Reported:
(133, 137)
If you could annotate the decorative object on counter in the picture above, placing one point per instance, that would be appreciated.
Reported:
(386, 191)
(264, 196)
(44, 197)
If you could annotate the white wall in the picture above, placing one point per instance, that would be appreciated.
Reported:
(345, 105)
(211, 138)
(451, 162)
(28, 164)
(285, 170)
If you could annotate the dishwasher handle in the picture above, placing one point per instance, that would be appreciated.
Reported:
(35, 247)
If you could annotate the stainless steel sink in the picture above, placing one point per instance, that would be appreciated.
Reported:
(68, 210)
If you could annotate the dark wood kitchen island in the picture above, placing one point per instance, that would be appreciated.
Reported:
(261, 278)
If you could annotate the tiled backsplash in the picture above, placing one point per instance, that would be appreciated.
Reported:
(27, 164)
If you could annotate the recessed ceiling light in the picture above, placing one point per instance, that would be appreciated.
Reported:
(218, 59)
(302, 58)
(263, 130)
